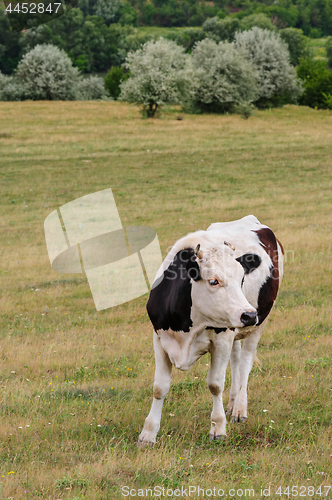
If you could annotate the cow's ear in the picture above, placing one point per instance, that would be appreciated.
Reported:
(193, 268)
(249, 262)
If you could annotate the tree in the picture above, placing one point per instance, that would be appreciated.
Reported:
(187, 38)
(10, 49)
(222, 79)
(317, 83)
(46, 72)
(114, 77)
(328, 48)
(277, 82)
(9, 89)
(260, 20)
(158, 76)
(297, 44)
(108, 9)
(222, 29)
(89, 89)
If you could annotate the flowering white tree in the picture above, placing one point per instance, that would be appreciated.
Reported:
(222, 78)
(277, 82)
(158, 75)
(47, 73)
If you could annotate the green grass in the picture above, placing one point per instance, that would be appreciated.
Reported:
(159, 30)
(76, 385)
(318, 47)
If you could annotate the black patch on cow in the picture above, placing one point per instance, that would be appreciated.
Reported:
(269, 290)
(249, 262)
(193, 268)
(217, 330)
(169, 304)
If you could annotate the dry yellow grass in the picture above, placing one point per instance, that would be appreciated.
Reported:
(71, 412)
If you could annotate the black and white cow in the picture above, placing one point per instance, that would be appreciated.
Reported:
(214, 289)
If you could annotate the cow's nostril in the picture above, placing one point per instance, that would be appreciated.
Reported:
(248, 318)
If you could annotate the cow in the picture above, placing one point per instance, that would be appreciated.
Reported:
(215, 289)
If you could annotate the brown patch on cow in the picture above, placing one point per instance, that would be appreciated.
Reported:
(157, 393)
(214, 389)
(240, 335)
(281, 247)
(269, 290)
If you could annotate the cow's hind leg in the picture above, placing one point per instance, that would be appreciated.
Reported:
(235, 369)
(162, 382)
(248, 353)
(220, 353)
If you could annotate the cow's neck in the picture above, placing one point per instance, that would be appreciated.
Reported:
(184, 348)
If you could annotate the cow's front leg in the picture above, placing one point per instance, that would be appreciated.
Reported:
(220, 353)
(235, 369)
(248, 353)
(162, 382)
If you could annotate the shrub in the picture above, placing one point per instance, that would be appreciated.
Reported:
(317, 83)
(108, 9)
(315, 33)
(221, 29)
(46, 72)
(128, 15)
(187, 37)
(158, 76)
(114, 77)
(81, 63)
(296, 42)
(9, 89)
(328, 48)
(222, 79)
(91, 88)
(277, 83)
(260, 20)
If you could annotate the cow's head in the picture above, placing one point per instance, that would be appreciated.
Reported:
(203, 284)
(217, 279)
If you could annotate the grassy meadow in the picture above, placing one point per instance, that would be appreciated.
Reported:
(76, 384)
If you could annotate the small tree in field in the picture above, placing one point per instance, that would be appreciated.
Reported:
(158, 76)
(46, 72)
(222, 79)
(114, 77)
(277, 82)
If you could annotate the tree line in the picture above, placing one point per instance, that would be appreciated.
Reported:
(253, 70)
(98, 34)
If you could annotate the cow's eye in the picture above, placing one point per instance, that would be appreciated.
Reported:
(213, 282)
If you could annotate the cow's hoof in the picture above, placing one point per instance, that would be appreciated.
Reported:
(216, 437)
(235, 420)
(145, 444)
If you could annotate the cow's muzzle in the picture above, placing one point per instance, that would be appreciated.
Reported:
(249, 318)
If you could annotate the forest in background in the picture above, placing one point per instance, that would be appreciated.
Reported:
(98, 34)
